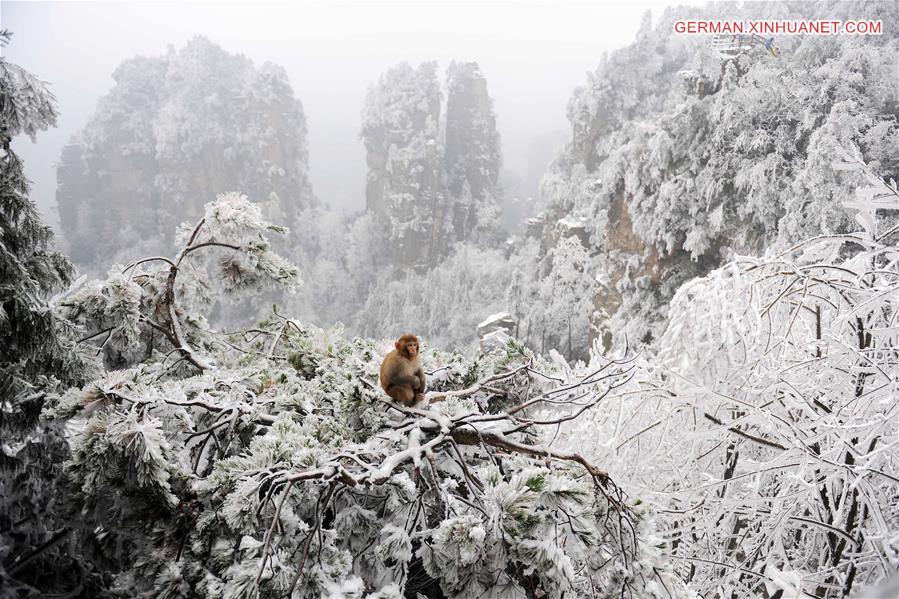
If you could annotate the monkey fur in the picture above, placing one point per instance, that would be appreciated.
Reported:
(402, 377)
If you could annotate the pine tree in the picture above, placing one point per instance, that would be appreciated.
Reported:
(37, 356)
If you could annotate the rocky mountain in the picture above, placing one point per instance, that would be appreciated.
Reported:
(687, 149)
(173, 130)
(432, 181)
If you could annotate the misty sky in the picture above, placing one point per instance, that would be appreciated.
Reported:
(532, 53)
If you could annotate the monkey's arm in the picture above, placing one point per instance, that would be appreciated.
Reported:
(421, 379)
(412, 382)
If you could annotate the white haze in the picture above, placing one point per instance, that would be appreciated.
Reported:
(532, 53)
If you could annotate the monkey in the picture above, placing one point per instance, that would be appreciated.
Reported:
(402, 377)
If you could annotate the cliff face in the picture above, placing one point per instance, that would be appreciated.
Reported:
(472, 155)
(174, 131)
(404, 190)
(685, 149)
(431, 184)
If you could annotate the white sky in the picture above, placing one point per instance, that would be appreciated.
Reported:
(532, 53)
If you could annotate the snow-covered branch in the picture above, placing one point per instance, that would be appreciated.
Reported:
(136, 304)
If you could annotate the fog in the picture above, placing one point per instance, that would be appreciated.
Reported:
(533, 55)
(344, 352)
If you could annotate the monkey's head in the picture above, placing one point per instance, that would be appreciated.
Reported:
(407, 345)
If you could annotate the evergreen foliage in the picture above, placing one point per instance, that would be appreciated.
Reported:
(268, 463)
(37, 357)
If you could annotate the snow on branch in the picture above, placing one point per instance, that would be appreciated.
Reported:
(764, 429)
(137, 306)
(288, 446)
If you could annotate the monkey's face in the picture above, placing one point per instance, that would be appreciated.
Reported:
(408, 346)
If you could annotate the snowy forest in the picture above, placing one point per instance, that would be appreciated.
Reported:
(673, 373)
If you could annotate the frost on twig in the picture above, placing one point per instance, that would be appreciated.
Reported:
(764, 429)
(159, 303)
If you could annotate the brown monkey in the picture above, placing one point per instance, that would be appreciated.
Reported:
(401, 375)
